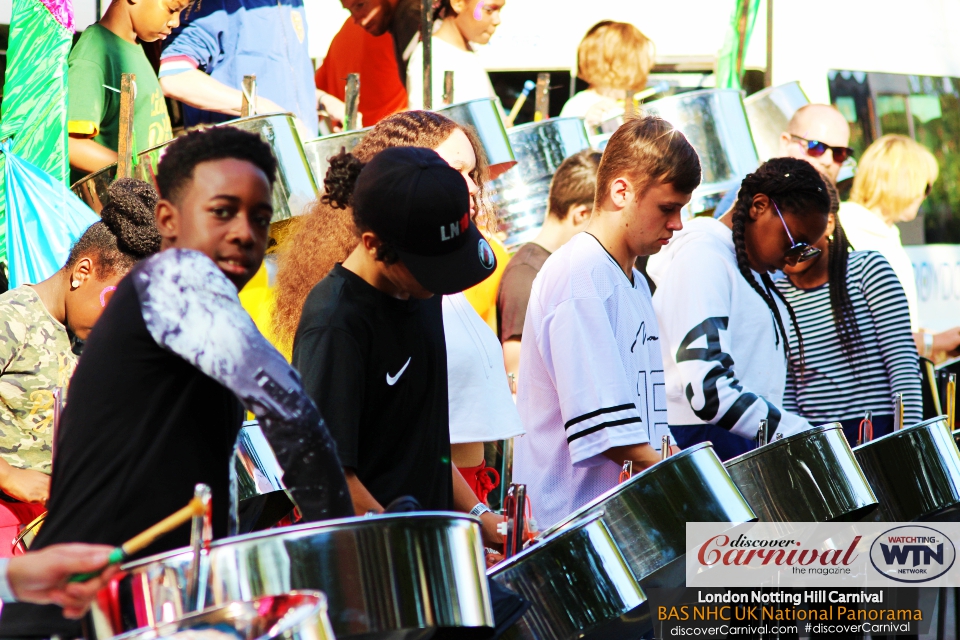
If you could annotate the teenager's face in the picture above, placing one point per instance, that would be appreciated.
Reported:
(818, 261)
(85, 303)
(225, 213)
(457, 152)
(156, 19)
(652, 216)
(374, 16)
(479, 19)
(766, 238)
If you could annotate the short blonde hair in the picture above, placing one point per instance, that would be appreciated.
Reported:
(615, 55)
(893, 172)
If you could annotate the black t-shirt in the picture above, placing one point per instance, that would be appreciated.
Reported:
(376, 367)
(141, 427)
(515, 286)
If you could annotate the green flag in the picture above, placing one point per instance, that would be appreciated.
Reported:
(730, 61)
(34, 111)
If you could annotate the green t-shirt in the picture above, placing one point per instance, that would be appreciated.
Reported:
(35, 359)
(95, 66)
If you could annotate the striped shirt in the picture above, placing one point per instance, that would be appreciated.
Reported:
(834, 388)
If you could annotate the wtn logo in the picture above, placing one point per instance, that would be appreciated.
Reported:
(900, 554)
(912, 554)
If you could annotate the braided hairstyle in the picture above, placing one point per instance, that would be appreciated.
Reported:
(795, 186)
(126, 232)
(844, 315)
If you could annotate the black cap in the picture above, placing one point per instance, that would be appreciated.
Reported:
(418, 204)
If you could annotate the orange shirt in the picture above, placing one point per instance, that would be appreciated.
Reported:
(353, 50)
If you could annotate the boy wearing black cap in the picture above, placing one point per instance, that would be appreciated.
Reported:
(370, 344)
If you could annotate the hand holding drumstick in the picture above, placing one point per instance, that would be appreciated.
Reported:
(43, 577)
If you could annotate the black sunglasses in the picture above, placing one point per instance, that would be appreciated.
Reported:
(815, 149)
(798, 251)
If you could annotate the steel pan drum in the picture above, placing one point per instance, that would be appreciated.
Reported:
(647, 515)
(579, 586)
(769, 111)
(810, 476)
(915, 472)
(484, 116)
(262, 499)
(294, 189)
(389, 576)
(715, 123)
(319, 150)
(299, 615)
(522, 194)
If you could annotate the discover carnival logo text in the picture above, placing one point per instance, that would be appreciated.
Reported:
(821, 554)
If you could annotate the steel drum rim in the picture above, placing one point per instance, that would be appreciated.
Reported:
(563, 531)
(759, 95)
(161, 628)
(803, 435)
(691, 94)
(336, 524)
(904, 431)
(339, 134)
(620, 488)
(533, 125)
(198, 127)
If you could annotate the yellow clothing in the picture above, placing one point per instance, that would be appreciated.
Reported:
(483, 297)
(258, 299)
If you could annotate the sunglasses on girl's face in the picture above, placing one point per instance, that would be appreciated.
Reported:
(798, 251)
(815, 149)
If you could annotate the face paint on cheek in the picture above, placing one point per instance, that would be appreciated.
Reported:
(106, 294)
(478, 11)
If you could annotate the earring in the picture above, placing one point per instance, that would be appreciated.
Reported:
(830, 238)
(75, 284)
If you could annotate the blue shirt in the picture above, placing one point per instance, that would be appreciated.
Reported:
(229, 39)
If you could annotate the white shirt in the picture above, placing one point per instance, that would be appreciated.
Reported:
(481, 405)
(725, 361)
(866, 231)
(470, 79)
(591, 378)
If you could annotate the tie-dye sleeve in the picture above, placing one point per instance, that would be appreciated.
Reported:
(192, 309)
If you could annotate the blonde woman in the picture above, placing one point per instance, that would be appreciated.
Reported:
(893, 178)
(612, 58)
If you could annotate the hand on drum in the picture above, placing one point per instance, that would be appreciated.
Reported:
(41, 577)
(25, 485)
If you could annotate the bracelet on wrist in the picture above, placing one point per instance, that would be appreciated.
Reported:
(479, 510)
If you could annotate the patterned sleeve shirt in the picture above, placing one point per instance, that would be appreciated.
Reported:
(35, 360)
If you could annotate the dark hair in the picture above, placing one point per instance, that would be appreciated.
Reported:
(203, 145)
(648, 148)
(127, 232)
(575, 183)
(795, 186)
(844, 315)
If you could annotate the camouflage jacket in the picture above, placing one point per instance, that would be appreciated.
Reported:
(35, 359)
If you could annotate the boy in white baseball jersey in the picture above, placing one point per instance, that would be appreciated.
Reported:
(591, 390)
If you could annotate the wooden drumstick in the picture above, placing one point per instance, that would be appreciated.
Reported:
(141, 541)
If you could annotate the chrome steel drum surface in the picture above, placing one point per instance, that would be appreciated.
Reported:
(294, 189)
(769, 111)
(262, 499)
(299, 615)
(579, 586)
(810, 476)
(319, 150)
(521, 194)
(647, 514)
(390, 576)
(915, 472)
(484, 116)
(715, 123)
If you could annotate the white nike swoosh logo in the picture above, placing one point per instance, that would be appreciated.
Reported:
(392, 380)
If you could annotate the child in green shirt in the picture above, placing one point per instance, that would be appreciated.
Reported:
(104, 51)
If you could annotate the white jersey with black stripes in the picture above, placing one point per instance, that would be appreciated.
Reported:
(591, 378)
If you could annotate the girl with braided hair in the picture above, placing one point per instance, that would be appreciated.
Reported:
(725, 327)
(853, 314)
(38, 325)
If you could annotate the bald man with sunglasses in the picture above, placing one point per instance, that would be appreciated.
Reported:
(817, 133)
